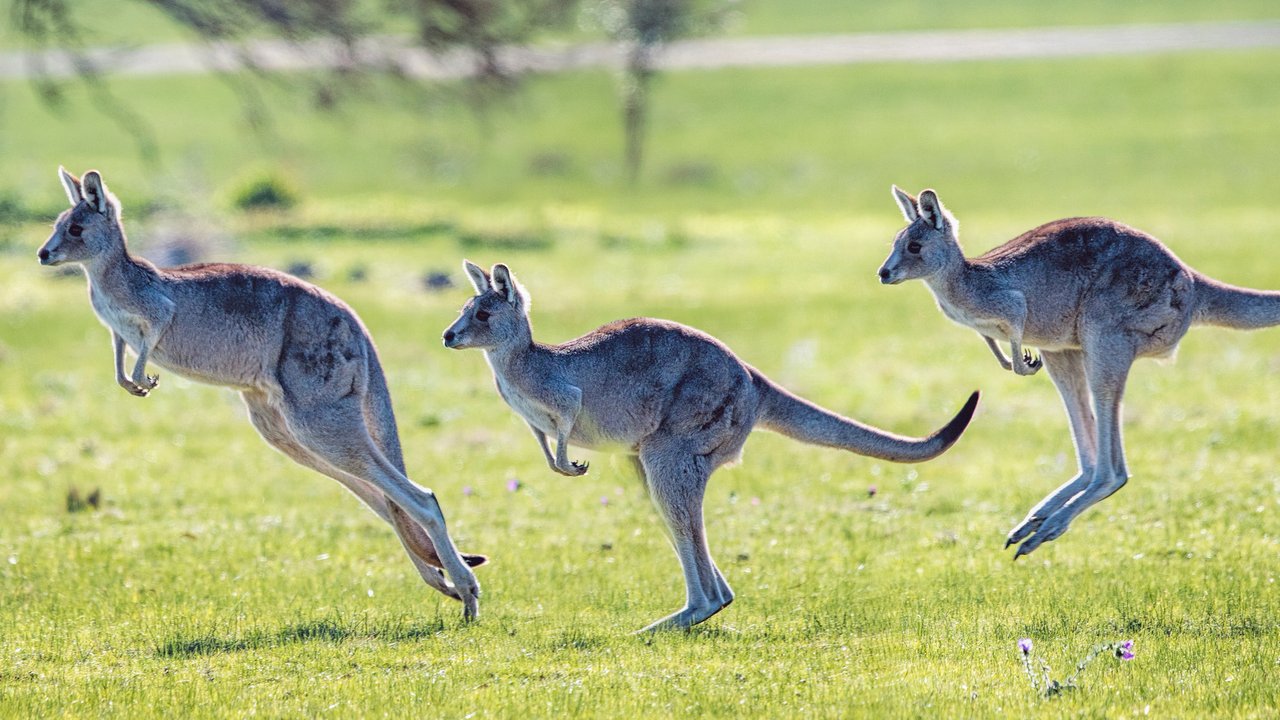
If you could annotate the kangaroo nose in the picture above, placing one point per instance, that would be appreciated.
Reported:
(43, 254)
(884, 274)
(448, 336)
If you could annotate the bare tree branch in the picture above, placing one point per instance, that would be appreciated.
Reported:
(481, 28)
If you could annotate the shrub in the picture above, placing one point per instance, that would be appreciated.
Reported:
(266, 191)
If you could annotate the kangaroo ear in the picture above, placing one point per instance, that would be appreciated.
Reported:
(98, 196)
(505, 283)
(71, 184)
(932, 209)
(910, 210)
(479, 278)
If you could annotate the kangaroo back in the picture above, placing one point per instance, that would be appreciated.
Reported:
(1218, 303)
(799, 419)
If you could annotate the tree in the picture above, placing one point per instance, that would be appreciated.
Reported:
(644, 27)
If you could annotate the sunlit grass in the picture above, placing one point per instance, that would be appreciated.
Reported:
(219, 578)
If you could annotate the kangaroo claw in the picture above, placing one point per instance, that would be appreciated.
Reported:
(1027, 364)
(574, 468)
(1023, 530)
(1026, 548)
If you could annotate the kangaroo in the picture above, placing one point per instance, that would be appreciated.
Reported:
(675, 400)
(301, 359)
(1092, 295)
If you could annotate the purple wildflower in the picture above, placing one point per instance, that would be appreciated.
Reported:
(1125, 650)
(755, 501)
(467, 491)
(871, 491)
(513, 485)
(1025, 646)
(604, 500)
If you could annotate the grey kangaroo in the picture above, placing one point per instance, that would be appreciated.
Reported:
(303, 363)
(675, 400)
(1092, 295)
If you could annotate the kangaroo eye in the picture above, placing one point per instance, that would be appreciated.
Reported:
(913, 247)
(482, 315)
(75, 230)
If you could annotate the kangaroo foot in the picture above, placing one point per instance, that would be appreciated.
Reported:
(685, 618)
(1050, 529)
(574, 470)
(1024, 529)
(468, 591)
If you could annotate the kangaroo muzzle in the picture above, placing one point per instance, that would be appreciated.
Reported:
(48, 255)
(889, 277)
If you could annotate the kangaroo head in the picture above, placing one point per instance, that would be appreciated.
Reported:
(496, 316)
(925, 246)
(90, 228)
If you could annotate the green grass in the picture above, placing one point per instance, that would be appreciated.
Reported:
(221, 580)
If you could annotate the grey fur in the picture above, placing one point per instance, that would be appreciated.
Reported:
(674, 399)
(1093, 295)
(301, 359)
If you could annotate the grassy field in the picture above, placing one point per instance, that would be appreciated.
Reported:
(220, 580)
(1133, 137)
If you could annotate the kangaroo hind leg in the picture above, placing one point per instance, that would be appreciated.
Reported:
(335, 431)
(677, 480)
(380, 419)
(1066, 369)
(272, 426)
(722, 592)
(1107, 372)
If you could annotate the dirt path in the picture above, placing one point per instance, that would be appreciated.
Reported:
(934, 46)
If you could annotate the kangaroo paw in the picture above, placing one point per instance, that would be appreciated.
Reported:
(1030, 364)
(151, 381)
(574, 470)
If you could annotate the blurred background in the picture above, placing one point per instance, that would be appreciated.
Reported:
(362, 117)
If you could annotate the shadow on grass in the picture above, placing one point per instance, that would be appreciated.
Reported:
(511, 239)
(330, 631)
(391, 232)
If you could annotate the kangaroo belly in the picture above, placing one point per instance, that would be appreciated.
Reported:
(590, 433)
(233, 356)
(215, 368)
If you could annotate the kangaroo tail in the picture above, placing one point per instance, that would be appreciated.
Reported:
(797, 418)
(1218, 303)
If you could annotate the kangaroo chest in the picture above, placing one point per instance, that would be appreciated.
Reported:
(584, 433)
(525, 407)
(124, 323)
(958, 314)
